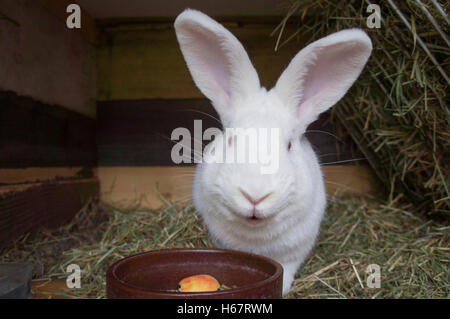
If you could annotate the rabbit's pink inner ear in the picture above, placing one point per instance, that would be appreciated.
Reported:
(328, 77)
(207, 63)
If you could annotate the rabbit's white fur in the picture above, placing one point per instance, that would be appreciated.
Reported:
(317, 77)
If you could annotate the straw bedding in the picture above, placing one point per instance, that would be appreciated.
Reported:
(397, 111)
(413, 254)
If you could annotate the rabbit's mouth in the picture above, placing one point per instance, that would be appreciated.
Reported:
(253, 220)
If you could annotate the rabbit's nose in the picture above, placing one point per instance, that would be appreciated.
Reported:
(251, 199)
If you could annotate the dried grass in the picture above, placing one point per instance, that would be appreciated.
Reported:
(397, 111)
(413, 253)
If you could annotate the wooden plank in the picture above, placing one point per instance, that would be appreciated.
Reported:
(143, 186)
(43, 59)
(88, 29)
(47, 205)
(41, 135)
(50, 289)
(137, 132)
(241, 20)
(143, 61)
(352, 179)
(32, 175)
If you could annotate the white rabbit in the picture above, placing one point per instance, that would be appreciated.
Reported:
(276, 215)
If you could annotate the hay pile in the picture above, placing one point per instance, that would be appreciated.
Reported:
(413, 254)
(397, 112)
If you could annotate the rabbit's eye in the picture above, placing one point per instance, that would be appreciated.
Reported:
(289, 146)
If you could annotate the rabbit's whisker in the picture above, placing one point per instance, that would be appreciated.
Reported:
(176, 142)
(325, 132)
(345, 161)
(204, 113)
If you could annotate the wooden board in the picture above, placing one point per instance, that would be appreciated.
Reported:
(31, 175)
(137, 132)
(35, 134)
(88, 29)
(50, 289)
(42, 58)
(143, 60)
(26, 208)
(143, 186)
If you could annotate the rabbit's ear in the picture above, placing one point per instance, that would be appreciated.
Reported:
(218, 62)
(321, 73)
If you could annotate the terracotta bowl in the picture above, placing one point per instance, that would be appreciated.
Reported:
(153, 274)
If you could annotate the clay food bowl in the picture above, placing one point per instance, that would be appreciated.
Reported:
(156, 274)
